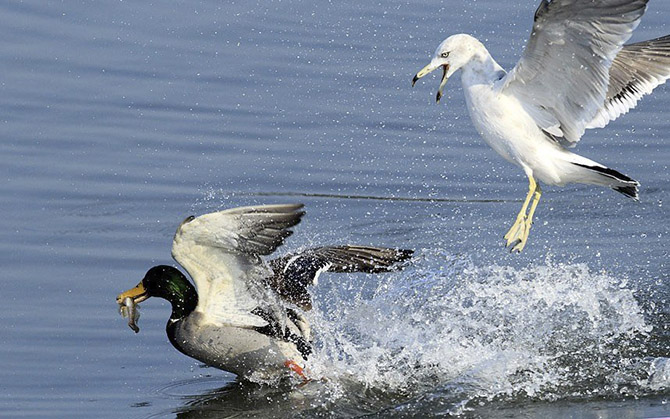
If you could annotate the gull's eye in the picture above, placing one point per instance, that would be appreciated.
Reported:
(444, 54)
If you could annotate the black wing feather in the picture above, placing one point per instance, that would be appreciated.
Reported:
(294, 273)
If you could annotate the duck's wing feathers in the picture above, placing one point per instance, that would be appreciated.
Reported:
(294, 273)
(563, 76)
(221, 251)
(637, 70)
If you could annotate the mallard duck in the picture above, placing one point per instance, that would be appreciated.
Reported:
(246, 316)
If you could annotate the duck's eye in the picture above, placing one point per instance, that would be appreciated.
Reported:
(444, 54)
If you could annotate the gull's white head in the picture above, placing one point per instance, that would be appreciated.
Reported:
(452, 54)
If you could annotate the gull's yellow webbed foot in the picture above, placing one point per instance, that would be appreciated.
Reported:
(517, 236)
(517, 231)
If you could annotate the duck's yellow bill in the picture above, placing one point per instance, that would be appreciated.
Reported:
(138, 294)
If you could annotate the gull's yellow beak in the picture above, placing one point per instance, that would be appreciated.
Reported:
(429, 68)
(138, 294)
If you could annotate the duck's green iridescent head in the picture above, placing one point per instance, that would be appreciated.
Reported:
(168, 283)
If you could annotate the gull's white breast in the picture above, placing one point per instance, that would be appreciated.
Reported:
(504, 124)
(500, 120)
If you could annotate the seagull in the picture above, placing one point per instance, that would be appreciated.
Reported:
(575, 74)
(246, 315)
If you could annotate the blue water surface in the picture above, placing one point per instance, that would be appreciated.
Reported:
(119, 119)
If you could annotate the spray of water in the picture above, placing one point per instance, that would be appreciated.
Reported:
(448, 329)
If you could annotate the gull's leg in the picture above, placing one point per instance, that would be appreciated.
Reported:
(517, 232)
(529, 220)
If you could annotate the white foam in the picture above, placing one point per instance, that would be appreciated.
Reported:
(546, 331)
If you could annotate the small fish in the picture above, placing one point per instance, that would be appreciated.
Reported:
(129, 310)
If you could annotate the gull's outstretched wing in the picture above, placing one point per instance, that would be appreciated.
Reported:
(221, 253)
(295, 272)
(563, 76)
(637, 70)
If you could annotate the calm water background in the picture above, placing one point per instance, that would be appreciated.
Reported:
(119, 119)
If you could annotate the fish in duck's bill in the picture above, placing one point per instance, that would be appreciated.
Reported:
(130, 310)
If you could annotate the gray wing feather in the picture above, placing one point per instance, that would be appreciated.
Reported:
(253, 231)
(563, 75)
(221, 251)
(262, 229)
(637, 70)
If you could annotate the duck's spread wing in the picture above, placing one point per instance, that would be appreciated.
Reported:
(221, 251)
(294, 273)
(563, 76)
(637, 70)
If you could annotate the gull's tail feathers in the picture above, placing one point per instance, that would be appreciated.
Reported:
(597, 174)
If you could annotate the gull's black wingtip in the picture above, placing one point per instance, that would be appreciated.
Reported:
(631, 191)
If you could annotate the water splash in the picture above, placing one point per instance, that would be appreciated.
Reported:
(448, 337)
(450, 330)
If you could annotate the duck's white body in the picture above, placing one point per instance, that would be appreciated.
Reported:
(242, 351)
